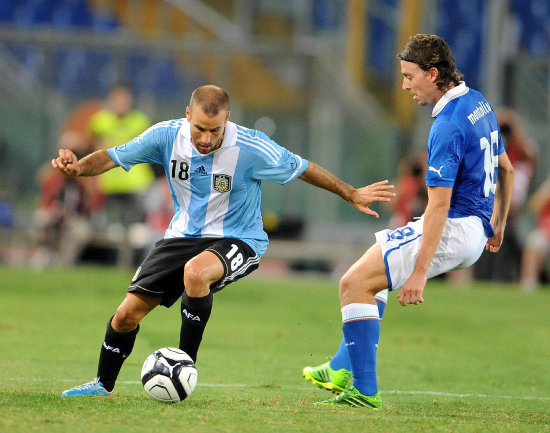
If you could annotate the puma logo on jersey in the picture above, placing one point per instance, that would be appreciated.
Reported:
(430, 168)
(191, 316)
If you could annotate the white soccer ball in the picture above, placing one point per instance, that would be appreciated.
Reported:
(169, 375)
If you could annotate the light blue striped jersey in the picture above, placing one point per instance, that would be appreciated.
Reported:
(216, 195)
(463, 150)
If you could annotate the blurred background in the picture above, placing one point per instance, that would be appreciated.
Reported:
(319, 76)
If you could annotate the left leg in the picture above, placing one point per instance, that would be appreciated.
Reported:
(196, 303)
(361, 327)
(361, 292)
(340, 360)
(221, 263)
(334, 375)
(360, 316)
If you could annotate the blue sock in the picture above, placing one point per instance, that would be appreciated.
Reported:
(361, 326)
(341, 357)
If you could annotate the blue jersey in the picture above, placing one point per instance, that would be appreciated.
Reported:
(463, 149)
(219, 194)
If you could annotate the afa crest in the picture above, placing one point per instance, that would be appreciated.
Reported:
(222, 182)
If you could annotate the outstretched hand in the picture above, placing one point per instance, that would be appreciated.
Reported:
(362, 198)
(67, 163)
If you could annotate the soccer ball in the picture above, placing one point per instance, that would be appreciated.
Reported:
(169, 375)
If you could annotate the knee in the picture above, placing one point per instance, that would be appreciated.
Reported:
(346, 285)
(353, 286)
(196, 280)
(125, 319)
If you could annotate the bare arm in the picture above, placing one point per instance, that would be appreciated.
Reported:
(437, 210)
(503, 198)
(360, 198)
(91, 165)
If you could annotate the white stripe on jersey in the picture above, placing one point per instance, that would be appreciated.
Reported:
(295, 172)
(225, 161)
(181, 151)
(118, 161)
(260, 144)
(175, 123)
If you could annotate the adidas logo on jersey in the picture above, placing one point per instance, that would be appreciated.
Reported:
(201, 170)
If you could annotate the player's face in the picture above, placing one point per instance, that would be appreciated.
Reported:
(421, 84)
(206, 130)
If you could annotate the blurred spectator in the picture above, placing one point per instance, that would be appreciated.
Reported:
(537, 245)
(79, 118)
(506, 265)
(410, 188)
(117, 124)
(160, 209)
(63, 216)
(522, 153)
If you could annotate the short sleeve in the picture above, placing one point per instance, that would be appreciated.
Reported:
(145, 148)
(445, 151)
(272, 162)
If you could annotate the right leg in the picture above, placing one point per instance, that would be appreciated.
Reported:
(120, 336)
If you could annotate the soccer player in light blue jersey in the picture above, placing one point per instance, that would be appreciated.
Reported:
(469, 182)
(215, 169)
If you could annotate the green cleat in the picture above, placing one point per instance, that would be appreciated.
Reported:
(352, 397)
(325, 377)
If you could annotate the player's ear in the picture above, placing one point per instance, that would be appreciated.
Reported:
(434, 73)
(188, 113)
(227, 116)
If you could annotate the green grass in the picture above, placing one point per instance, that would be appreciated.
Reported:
(467, 360)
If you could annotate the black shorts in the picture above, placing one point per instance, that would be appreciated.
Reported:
(161, 272)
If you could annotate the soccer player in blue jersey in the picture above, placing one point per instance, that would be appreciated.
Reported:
(469, 182)
(215, 169)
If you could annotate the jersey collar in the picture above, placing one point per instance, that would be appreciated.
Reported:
(451, 94)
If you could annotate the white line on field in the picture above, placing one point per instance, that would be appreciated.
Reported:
(244, 385)
(452, 394)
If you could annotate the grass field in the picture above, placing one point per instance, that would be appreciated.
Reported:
(467, 360)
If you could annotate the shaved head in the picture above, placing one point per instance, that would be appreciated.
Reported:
(211, 99)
